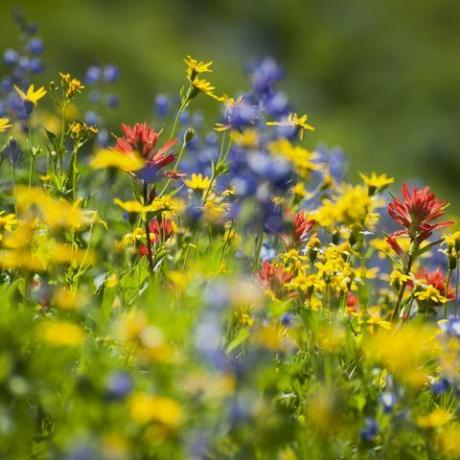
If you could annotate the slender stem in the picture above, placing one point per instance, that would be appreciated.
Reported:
(176, 164)
(456, 287)
(446, 290)
(147, 230)
(403, 288)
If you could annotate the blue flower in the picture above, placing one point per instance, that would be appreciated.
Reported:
(369, 432)
(388, 400)
(91, 118)
(111, 73)
(112, 101)
(10, 56)
(286, 319)
(119, 385)
(93, 74)
(440, 386)
(162, 105)
(264, 73)
(35, 46)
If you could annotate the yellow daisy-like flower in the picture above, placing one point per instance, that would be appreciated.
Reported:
(198, 182)
(146, 408)
(452, 240)
(431, 293)
(398, 278)
(205, 87)
(4, 124)
(435, 419)
(295, 121)
(31, 95)
(195, 67)
(376, 182)
(61, 333)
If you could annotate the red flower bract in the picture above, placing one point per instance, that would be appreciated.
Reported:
(417, 212)
(302, 225)
(143, 139)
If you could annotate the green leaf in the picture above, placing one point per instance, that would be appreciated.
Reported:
(240, 338)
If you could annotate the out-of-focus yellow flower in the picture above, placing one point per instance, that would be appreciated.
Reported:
(160, 204)
(429, 292)
(376, 182)
(447, 440)
(31, 95)
(405, 352)
(273, 336)
(4, 124)
(435, 419)
(61, 333)
(68, 299)
(198, 182)
(146, 408)
(295, 121)
(109, 158)
(7, 222)
(249, 138)
(299, 157)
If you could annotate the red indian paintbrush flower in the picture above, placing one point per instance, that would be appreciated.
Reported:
(417, 212)
(437, 279)
(143, 139)
(302, 225)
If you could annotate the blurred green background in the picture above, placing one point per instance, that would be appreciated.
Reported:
(380, 78)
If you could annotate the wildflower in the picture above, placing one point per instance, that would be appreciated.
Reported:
(4, 124)
(376, 182)
(248, 138)
(435, 419)
(61, 333)
(198, 182)
(81, 131)
(31, 95)
(370, 430)
(398, 278)
(143, 139)
(146, 408)
(7, 222)
(203, 86)
(299, 123)
(417, 212)
(432, 288)
(239, 114)
(72, 86)
(109, 158)
(195, 67)
(302, 225)
(452, 240)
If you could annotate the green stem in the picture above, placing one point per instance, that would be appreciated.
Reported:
(403, 288)
(147, 229)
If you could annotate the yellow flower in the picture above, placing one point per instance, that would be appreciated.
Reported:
(79, 130)
(429, 292)
(68, 299)
(195, 67)
(398, 278)
(61, 333)
(435, 419)
(7, 221)
(295, 121)
(301, 159)
(4, 124)
(108, 158)
(452, 240)
(204, 86)
(376, 181)
(249, 138)
(72, 85)
(31, 95)
(198, 182)
(145, 408)
(448, 440)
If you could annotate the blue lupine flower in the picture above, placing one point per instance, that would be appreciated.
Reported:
(111, 73)
(286, 319)
(10, 56)
(91, 118)
(264, 73)
(369, 432)
(112, 101)
(35, 46)
(103, 138)
(267, 253)
(93, 74)
(36, 65)
(162, 105)
(451, 326)
(277, 105)
(240, 114)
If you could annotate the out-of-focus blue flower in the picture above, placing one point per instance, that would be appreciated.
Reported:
(103, 137)
(184, 117)
(35, 46)
(10, 56)
(112, 101)
(440, 386)
(162, 105)
(370, 430)
(388, 400)
(267, 253)
(94, 96)
(451, 326)
(217, 296)
(93, 74)
(286, 319)
(240, 114)
(91, 118)
(24, 63)
(36, 65)
(336, 160)
(111, 73)
(83, 452)
(119, 385)
(277, 105)
(264, 73)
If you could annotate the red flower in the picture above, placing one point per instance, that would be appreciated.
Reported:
(438, 280)
(417, 212)
(302, 225)
(160, 231)
(273, 277)
(143, 139)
